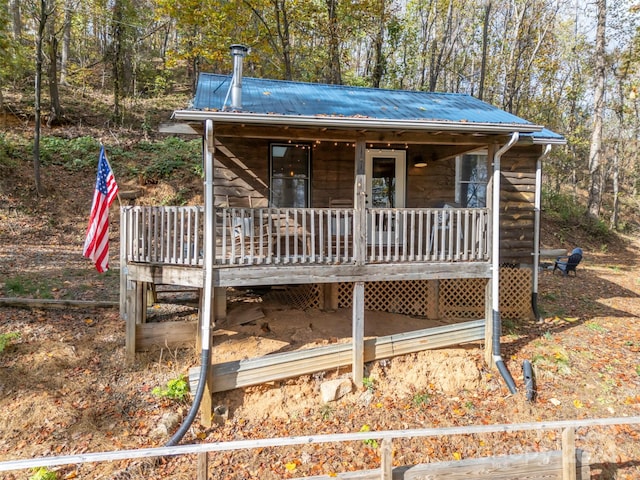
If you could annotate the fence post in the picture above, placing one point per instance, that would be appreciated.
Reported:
(386, 459)
(568, 454)
(202, 466)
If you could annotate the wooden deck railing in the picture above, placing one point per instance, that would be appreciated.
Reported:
(259, 236)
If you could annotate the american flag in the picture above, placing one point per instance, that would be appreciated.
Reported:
(96, 245)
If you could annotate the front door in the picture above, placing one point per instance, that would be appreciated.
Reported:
(385, 172)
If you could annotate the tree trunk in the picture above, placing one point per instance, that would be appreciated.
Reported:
(38, 92)
(441, 51)
(117, 58)
(56, 114)
(335, 76)
(378, 67)
(66, 41)
(485, 44)
(595, 150)
(615, 175)
(16, 19)
(282, 24)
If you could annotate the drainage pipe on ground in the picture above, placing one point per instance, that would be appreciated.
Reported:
(536, 232)
(495, 265)
(206, 313)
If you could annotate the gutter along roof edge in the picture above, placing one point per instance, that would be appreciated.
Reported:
(352, 122)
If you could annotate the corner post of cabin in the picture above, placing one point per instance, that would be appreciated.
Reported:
(359, 249)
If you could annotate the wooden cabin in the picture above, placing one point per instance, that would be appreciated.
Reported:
(419, 203)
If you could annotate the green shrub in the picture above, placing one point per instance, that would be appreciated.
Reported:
(561, 206)
(43, 473)
(565, 209)
(74, 154)
(176, 389)
(6, 338)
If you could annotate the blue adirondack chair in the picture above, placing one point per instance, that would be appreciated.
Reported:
(568, 263)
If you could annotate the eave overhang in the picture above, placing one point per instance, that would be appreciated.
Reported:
(352, 123)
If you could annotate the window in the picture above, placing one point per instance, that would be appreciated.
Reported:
(289, 169)
(471, 180)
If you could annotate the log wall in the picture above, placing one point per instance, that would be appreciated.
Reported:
(517, 208)
(242, 177)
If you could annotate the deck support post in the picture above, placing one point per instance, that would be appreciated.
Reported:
(209, 291)
(141, 303)
(219, 303)
(358, 333)
(329, 297)
(433, 299)
(130, 320)
(124, 242)
(360, 247)
(488, 327)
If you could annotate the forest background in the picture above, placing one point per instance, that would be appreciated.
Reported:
(570, 65)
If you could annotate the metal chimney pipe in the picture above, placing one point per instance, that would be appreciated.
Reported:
(238, 52)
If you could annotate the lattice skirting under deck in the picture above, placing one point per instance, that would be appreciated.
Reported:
(462, 298)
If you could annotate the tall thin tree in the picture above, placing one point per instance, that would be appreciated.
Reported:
(43, 14)
(595, 150)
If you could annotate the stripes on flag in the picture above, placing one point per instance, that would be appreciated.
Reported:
(96, 245)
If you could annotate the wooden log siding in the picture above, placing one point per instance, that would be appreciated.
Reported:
(279, 236)
(516, 209)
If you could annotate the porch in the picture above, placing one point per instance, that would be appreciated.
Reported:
(174, 236)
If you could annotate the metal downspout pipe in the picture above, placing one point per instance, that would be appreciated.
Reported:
(536, 232)
(207, 290)
(495, 265)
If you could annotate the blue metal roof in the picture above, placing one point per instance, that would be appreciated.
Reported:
(279, 97)
(546, 135)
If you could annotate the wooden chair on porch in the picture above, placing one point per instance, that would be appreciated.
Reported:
(251, 236)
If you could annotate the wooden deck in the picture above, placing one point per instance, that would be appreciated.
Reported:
(163, 244)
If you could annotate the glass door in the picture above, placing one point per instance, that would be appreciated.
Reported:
(385, 172)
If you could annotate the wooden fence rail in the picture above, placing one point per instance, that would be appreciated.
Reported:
(386, 436)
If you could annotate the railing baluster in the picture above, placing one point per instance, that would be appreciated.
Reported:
(295, 235)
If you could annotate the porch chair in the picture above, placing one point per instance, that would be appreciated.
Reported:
(567, 264)
(253, 239)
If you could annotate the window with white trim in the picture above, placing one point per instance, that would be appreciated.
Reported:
(289, 172)
(471, 180)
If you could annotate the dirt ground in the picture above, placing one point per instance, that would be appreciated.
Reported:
(66, 388)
